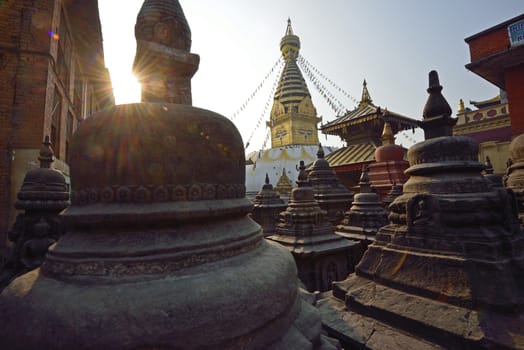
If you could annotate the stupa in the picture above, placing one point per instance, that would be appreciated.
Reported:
(266, 207)
(284, 185)
(514, 178)
(447, 271)
(389, 165)
(366, 216)
(44, 194)
(321, 256)
(330, 194)
(396, 191)
(293, 123)
(159, 252)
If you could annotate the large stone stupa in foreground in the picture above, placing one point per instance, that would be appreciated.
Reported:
(159, 252)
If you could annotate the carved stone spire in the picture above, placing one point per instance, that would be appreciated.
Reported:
(330, 194)
(266, 207)
(163, 64)
(47, 156)
(436, 116)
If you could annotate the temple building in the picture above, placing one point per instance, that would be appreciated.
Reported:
(361, 130)
(497, 55)
(53, 77)
(293, 123)
(490, 125)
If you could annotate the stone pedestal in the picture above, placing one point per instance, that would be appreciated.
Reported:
(266, 207)
(330, 194)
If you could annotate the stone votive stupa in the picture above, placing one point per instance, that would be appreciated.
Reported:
(284, 185)
(389, 166)
(366, 216)
(396, 191)
(159, 252)
(266, 207)
(44, 194)
(321, 256)
(446, 273)
(514, 178)
(330, 194)
(496, 179)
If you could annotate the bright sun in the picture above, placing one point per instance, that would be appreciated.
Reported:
(125, 88)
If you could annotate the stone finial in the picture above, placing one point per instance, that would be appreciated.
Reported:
(489, 166)
(320, 152)
(436, 116)
(302, 180)
(47, 156)
(387, 135)
(365, 184)
(163, 64)
(266, 181)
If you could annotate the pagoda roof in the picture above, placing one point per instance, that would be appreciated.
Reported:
(365, 113)
(352, 154)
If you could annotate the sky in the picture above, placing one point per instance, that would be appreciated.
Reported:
(391, 44)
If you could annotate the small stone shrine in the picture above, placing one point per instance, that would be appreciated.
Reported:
(321, 256)
(266, 207)
(284, 185)
(159, 251)
(447, 271)
(396, 191)
(330, 194)
(389, 164)
(366, 216)
(44, 194)
(496, 179)
(514, 178)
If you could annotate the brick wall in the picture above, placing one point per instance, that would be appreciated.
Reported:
(488, 44)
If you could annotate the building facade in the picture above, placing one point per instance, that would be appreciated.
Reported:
(54, 76)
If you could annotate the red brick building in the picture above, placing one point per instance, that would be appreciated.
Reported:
(497, 55)
(53, 76)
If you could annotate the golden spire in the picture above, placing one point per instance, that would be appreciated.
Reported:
(387, 135)
(289, 30)
(460, 106)
(366, 97)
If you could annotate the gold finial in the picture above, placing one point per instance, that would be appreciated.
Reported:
(366, 97)
(387, 135)
(289, 30)
(461, 106)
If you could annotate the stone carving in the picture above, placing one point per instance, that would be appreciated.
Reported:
(266, 207)
(446, 271)
(44, 194)
(159, 248)
(304, 230)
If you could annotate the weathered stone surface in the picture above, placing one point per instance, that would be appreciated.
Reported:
(159, 251)
(448, 267)
(321, 256)
(366, 216)
(330, 194)
(44, 194)
(514, 178)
